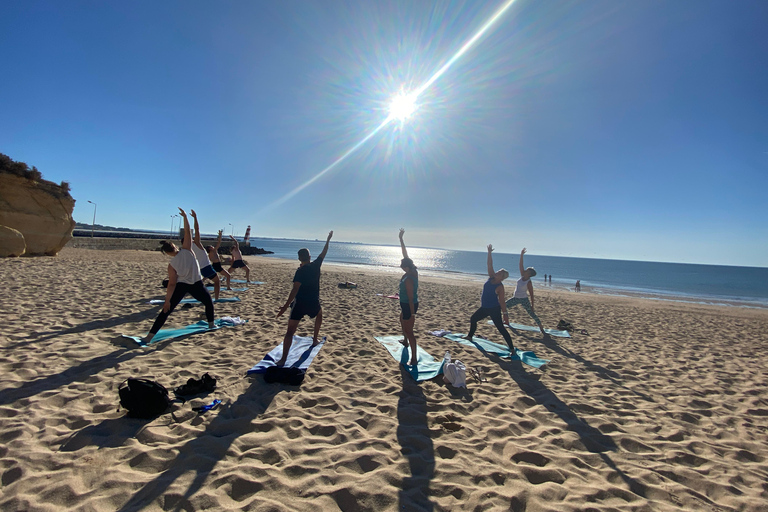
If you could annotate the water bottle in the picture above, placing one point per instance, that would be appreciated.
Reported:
(447, 358)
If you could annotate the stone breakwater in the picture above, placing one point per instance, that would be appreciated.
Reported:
(147, 244)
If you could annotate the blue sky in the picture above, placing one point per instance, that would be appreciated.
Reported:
(613, 129)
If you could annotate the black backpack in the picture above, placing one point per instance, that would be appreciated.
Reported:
(291, 376)
(143, 398)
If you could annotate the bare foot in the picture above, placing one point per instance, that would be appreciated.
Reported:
(412, 363)
(404, 342)
(280, 363)
(468, 337)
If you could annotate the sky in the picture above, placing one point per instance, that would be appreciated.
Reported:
(607, 129)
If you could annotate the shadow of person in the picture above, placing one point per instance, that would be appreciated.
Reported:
(201, 454)
(415, 444)
(110, 433)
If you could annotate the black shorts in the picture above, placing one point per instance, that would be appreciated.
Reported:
(217, 266)
(238, 264)
(300, 309)
(208, 272)
(406, 308)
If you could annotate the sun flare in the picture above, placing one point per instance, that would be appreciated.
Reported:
(402, 106)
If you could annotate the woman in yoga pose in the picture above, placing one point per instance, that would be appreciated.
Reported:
(183, 277)
(213, 256)
(523, 289)
(206, 268)
(409, 299)
(492, 302)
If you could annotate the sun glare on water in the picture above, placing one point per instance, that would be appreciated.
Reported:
(402, 106)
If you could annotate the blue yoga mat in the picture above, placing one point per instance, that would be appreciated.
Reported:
(195, 301)
(224, 289)
(300, 356)
(167, 334)
(244, 281)
(533, 328)
(426, 367)
(525, 356)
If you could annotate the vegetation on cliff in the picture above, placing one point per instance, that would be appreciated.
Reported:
(10, 166)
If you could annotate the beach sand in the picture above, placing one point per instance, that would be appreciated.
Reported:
(662, 406)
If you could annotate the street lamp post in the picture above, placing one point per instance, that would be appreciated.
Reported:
(93, 224)
(232, 230)
(172, 216)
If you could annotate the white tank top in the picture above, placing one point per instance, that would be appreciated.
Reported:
(201, 255)
(521, 289)
(185, 265)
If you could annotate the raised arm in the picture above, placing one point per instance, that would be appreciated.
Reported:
(491, 273)
(235, 240)
(325, 249)
(218, 242)
(187, 243)
(522, 267)
(402, 244)
(197, 229)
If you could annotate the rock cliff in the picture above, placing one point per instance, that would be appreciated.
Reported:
(40, 210)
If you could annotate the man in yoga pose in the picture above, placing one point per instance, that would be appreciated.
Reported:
(213, 256)
(237, 260)
(304, 298)
(183, 277)
(409, 300)
(492, 303)
(523, 289)
(206, 269)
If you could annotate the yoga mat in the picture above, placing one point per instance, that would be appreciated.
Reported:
(426, 367)
(167, 334)
(552, 332)
(525, 356)
(195, 301)
(224, 289)
(300, 356)
(244, 281)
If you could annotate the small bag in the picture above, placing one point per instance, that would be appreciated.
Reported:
(455, 374)
(291, 376)
(143, 398)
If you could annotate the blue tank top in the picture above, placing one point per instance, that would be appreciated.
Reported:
(404, 293)
(489, 299)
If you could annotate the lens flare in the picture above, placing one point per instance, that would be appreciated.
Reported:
(402, 106)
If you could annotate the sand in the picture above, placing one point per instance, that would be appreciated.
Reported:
(661, 407)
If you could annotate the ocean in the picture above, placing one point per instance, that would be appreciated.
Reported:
(708, 284)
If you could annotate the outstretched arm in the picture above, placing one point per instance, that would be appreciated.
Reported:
(522, 267)
(502, 303)
(530, 292)
(218, 242)
(402, 244)
(235, 240)
(325, 249)
(291, 296)
(187, 243)
(197, 229)
(491, 273)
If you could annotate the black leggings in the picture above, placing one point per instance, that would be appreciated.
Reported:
(197, 291)
(495, 314)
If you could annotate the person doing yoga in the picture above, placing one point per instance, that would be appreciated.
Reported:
(523, 289)
(409, 299)
(492, 303)
(183, 277)
(304, 298)
(237, 261)
(206, 269)
(213, 256)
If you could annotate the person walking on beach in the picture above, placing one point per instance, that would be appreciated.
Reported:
(409, 299)
(183, 277)
(523, 289)
(213, 256)
(206, 269)
(237, 261)
(304, 298)
(492, 303)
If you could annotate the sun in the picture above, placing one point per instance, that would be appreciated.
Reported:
(402, 106)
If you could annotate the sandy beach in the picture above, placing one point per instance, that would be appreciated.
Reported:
(661, 406)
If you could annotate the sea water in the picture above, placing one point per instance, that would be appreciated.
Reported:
(714, 284)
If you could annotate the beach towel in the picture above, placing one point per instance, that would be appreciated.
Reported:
(395, 296)
(300, 356)
(211, 287)
(426, 367)
(167, 334)
(195, 301)
(244, 281)
(525, 356)
(533, 328)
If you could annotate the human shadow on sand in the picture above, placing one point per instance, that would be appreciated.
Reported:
(415, 444)
(201, 454)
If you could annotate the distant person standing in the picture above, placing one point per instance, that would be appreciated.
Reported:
(237, 260)
(304, 298)
(213, 256)
(578, 285)
(409, 300)
(550, 279)
(523, 289)
(492, 303)
(206, 269)
(545, 278)
(183, 277)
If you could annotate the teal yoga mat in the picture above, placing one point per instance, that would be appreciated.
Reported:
(167, 334)
(525, 356)
(300, 356)
(533, 328)
(195, 301)
(426, 367)
(224, 289)
(244, 281)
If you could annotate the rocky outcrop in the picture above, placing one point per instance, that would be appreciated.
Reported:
(11, 242)
(40, 210)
